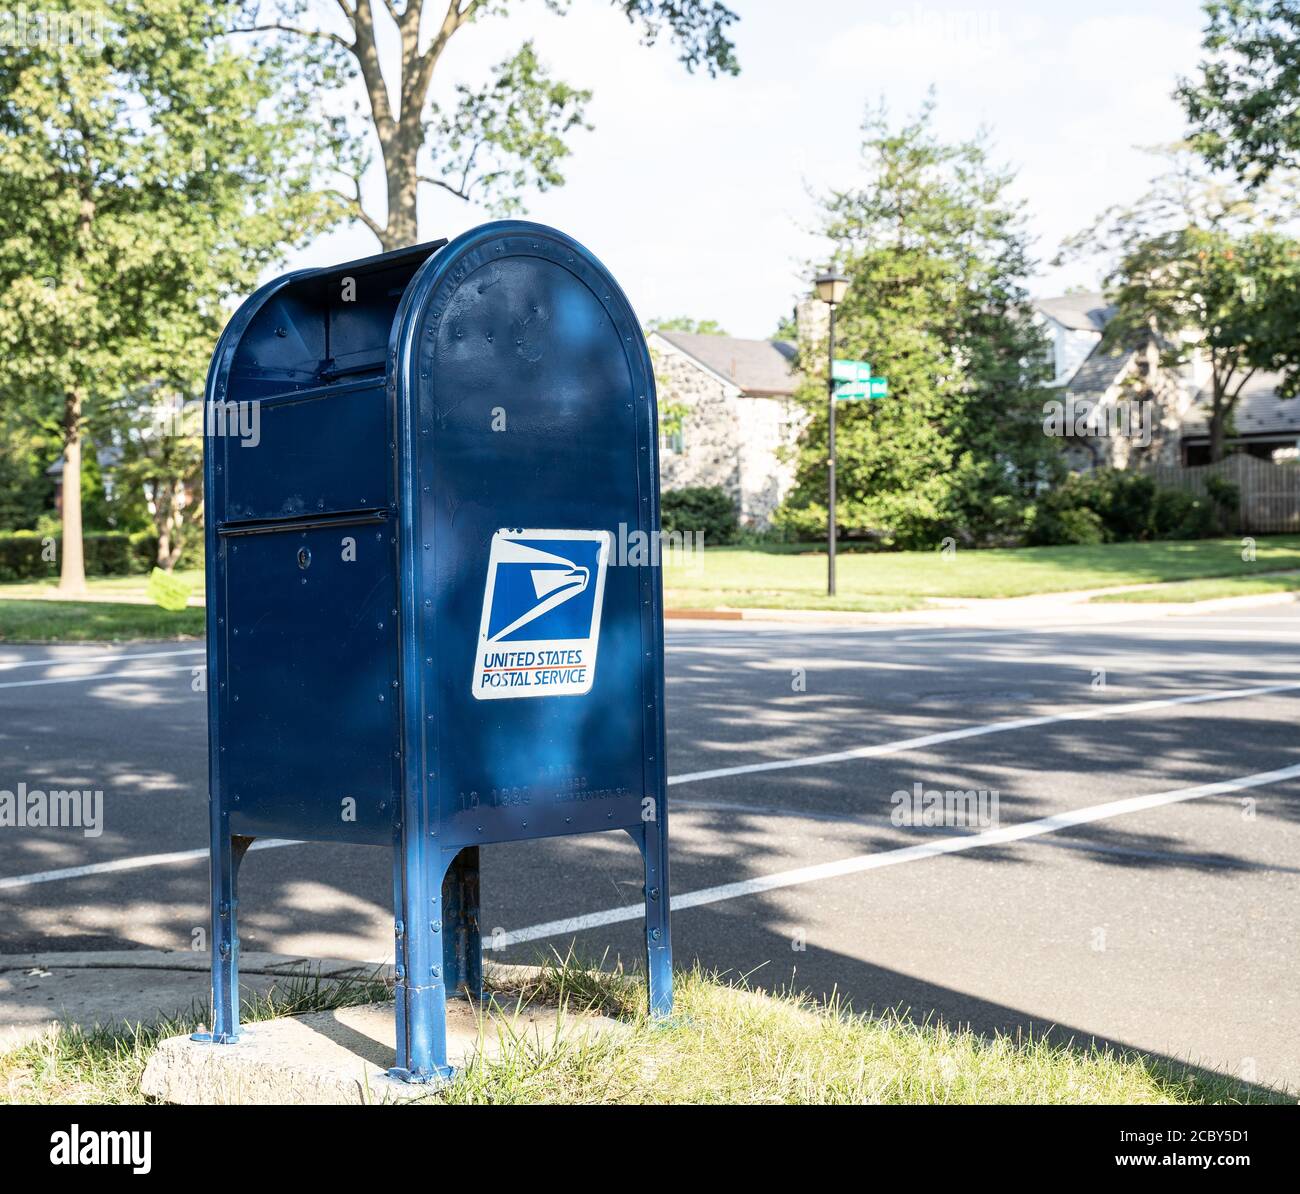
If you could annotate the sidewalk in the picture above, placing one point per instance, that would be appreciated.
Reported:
(1041, 609)
(114, 987)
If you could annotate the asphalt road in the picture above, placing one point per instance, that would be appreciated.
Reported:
(1168, 924)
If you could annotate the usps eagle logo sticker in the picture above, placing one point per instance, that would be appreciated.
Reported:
(541, 614)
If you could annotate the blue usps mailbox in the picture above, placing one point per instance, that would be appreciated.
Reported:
(420, 469)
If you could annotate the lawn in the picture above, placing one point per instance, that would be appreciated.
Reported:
(786, 578)
(724, 1045)
(771, 578)
(93, 622)
(125, 588)
(1207, 590)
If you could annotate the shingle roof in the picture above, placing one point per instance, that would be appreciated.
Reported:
(1100, 370)
(1085, 311)
(763, 368)
(1259, 410)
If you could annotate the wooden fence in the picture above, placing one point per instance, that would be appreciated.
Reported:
(1270, 493)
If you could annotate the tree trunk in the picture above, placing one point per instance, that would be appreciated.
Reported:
(72, 568)
(169, 522)
(402, 228)
(1218, 420)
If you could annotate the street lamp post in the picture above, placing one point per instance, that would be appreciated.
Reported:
(831, 288)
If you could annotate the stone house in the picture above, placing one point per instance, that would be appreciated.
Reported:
(728, 417)
(1166, 421)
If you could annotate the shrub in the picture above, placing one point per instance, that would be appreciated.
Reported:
(1067, 525)
(704, 508)
(1110, 506)
(107, 553)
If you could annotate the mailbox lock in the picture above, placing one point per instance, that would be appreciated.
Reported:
(304, 558)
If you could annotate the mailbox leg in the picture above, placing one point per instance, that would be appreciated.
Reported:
(658, 940)
(421, 993)
(462, 945)
(227, 853)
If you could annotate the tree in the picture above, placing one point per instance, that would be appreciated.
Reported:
(1202, 268)
(488, 143)
(25, 453)
(935, 252)
(1245, 107)
(163, 460)
(143, 181)
(684, 323)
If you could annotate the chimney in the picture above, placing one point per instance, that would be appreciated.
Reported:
(812, 319)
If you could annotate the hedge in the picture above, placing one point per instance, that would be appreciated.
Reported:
(704, 508)
(108, 553)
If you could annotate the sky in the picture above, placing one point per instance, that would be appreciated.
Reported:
(699, 194)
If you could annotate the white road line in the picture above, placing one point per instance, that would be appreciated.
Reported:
(977, 731)
(883, 858)
(973, 638)
(9, 667)
(862, 752)
(138, 672)
(131, 864)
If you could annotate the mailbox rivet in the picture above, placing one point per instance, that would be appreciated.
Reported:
(436, 971)
(399, 970)
(399, 929)
(381, 696)
(394, 683)
(655, 934)
(654, 893)
(436, 925)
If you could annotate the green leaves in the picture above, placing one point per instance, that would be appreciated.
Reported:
(698, 26)
(508, 135)
(143, 186)
(1245, 108)
(1205, 269)
(146, 181)
(936, 252)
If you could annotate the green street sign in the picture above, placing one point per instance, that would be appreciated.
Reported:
(875, 387)
(844, 370)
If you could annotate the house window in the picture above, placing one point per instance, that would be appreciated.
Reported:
(672, 440)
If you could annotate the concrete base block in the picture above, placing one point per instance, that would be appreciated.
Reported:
(341, 1057)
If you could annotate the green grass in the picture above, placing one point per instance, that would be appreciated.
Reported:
(724, 1045)
(790, 577)
(93, 622)
(1207, 590)
(124, 587)
(786, 599)
(104, 1065)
